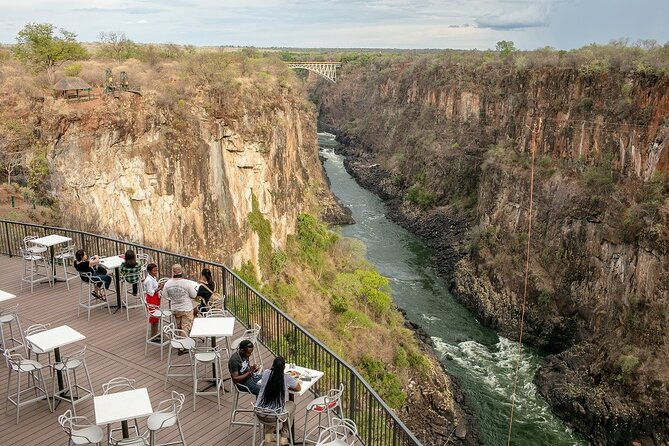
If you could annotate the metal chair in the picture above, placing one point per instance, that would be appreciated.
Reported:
(32, 247)
(65, 257)
(32, 262)
(8, 318)
(208, 356)
(114, 385)
(219, 312)
(271, 418)
(86, 299)
(164, 317)
(79, 430)
(240, 389)
(138, 440)
(342, 432)
(128, 281)
(180, 341)
(37, 328)
(18, 365)
(326, 404)
(167, 415)
(252, 335)
(143, 259)
(74, 392)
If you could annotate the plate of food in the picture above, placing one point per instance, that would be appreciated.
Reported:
(294, 373)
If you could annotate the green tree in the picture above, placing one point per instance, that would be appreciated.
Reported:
(117, 45)
(43, 48)
(505, 47)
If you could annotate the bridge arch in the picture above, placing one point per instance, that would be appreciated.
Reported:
(326, 69)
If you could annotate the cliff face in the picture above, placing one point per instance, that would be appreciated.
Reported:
(182, 178)
(451, 146)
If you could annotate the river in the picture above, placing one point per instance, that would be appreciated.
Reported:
(483, 361)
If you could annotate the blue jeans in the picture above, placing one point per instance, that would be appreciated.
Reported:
(252, 384)
(105, 278)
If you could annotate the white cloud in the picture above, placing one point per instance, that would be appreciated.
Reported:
(530, 15)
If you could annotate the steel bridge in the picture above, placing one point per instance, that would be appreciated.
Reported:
(326, 69)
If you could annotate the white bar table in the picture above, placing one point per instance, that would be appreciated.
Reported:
(53, 339)
(122, 406)
(110, 263)
(315, 375)
(214, 327)
(4, 295)
(312, 376)
(50, 241)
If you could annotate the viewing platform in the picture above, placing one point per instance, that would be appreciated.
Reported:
(115, 348)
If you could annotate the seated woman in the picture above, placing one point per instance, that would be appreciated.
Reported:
(131, 270)
(274, 393)
(205, 290)
(85, 265)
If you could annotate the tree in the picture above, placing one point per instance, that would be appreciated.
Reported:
(505, 47)
(116, 44)
(40, 46)
(16, 139)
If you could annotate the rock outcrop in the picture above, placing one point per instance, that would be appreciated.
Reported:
(183, 179)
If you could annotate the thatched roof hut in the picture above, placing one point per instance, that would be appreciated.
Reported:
(70, 87)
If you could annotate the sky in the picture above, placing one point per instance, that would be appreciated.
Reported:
(457, 24)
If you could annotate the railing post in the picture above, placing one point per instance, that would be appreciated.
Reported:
(351, 399)
(9, 246)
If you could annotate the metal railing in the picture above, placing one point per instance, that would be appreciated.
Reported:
(377, 423)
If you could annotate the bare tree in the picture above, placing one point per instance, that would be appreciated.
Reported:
(116, 44)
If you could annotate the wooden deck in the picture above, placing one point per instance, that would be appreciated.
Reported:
(115, 347)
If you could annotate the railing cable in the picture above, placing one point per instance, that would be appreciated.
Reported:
(527, 271)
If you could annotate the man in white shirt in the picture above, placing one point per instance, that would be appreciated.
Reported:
(181, 293)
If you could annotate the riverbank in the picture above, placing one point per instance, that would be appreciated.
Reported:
(481, 361)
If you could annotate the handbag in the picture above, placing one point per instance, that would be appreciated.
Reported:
(215, 295)
(100, 269)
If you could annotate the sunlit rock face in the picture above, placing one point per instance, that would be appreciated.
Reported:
(183, 179)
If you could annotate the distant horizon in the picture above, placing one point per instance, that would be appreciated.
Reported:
(351, 24)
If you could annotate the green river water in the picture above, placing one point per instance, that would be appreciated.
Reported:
(483, 361)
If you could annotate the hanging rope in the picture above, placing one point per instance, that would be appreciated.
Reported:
(527, 272)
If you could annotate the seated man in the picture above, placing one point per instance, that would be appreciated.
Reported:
(181, 293)
(240, 370)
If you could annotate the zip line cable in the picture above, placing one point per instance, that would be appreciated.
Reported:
(522, 312)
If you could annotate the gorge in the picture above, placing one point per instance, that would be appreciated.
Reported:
(447, 140)
(216, 156)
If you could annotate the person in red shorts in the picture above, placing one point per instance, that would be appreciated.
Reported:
(152, 288)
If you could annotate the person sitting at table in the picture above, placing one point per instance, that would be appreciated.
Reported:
(205, 290)
(152, 289)
(181, 293)
(131, 270)
(85, 265)
(241, 371)
(274, 393)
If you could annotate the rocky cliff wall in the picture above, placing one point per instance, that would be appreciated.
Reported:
(180, 177)
(452, 147)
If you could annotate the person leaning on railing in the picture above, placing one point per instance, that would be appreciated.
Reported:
(181, 293)
(152, 289)
(131, 270)
(205, 290)
(85, 265)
